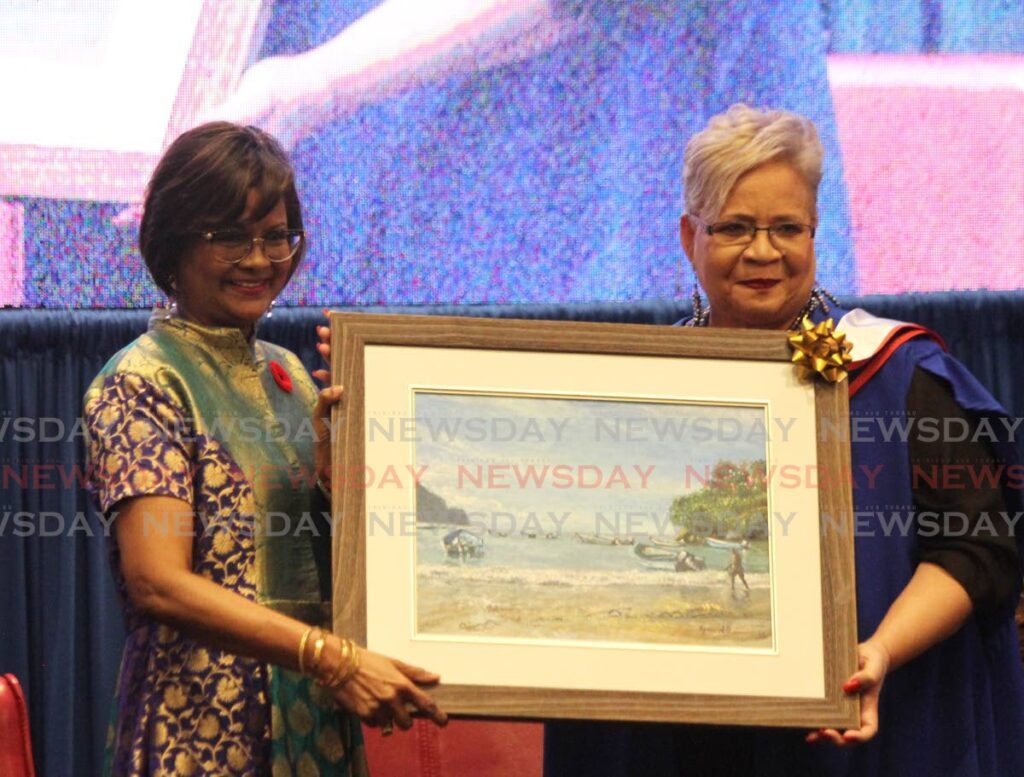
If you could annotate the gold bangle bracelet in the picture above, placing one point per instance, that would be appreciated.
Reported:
(302, 649)
(353, 666)
(326, 682)
(357, 661)
(344, 666)
(318, 649)
(344, 669)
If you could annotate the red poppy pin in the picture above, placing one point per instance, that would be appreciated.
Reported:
(281, 376)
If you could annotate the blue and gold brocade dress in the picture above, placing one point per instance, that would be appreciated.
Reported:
(196, 413)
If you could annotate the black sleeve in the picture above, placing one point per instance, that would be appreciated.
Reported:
(955, 472)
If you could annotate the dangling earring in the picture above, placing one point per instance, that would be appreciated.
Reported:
(270, 310)
(170, 306)
(700, 313)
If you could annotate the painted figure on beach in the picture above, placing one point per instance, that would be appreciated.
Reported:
(735, 569)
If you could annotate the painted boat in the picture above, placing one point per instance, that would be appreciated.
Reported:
(460, 543)
(653, 553)
(662, 542)
(713, 542)
(678, 560)
(604, 539)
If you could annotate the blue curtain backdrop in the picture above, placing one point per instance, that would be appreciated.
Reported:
(60, 625)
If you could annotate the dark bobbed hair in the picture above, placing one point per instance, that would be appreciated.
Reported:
(203, 182)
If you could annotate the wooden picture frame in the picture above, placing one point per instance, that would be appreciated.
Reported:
(786, 672)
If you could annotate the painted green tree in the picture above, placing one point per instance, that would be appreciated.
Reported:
(733, 502)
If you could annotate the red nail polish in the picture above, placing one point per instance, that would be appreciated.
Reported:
(852, 686)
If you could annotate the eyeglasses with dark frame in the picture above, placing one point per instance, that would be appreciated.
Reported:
(233, 245)
(734, 233)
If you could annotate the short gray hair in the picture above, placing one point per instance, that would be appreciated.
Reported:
(737, 141)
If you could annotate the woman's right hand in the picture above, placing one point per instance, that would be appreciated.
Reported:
(387, 691)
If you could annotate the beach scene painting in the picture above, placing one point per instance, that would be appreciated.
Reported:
(592, 520)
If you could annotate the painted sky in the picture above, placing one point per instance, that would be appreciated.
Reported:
(493, 454)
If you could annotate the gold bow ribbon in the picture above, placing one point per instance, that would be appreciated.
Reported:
(818, 348)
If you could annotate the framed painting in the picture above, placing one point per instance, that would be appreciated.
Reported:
(597, 521)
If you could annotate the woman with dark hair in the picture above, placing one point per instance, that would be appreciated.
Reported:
(208, 445)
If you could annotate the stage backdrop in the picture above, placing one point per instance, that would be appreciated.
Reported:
(469, 151)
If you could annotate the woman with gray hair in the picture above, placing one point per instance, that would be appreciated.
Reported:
(935, 602)
(745, 157)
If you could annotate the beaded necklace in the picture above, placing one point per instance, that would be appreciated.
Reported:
(818, 299)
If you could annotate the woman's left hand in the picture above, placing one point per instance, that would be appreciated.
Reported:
(873, 659)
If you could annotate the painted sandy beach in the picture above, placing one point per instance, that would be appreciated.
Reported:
(696, 609)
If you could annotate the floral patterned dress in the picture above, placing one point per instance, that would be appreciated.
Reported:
(223, 424)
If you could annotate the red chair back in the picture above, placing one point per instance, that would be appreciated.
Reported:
(15, 742)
